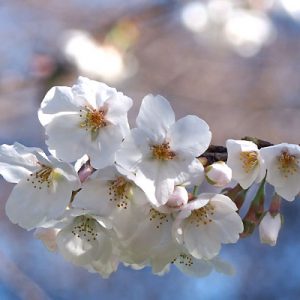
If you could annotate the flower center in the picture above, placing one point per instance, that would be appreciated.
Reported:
(120, 191)
(249, 160)
(287, 164)
(202, 215)
(42, 177)
(158, 218)
(85, 227)
(93, 119)
(183, 259)
(162, 152)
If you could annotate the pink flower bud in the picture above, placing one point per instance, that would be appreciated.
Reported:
(269, 228)
(178, 198)
(218, 174)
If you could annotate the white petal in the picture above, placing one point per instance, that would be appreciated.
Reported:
(194, 175)
(30, 207)
(94, 196)
(291, 191)
(155, 117)
(151, 233)
(199, 241)
(66, 139)
(220, 200)
(189, 136)
(91, 92)
(107, 263)
(118, 105)
(155, 181)
(132, 150)
(192, 266)
(58, 101)
(163, 256)
(109, 141)
(17, 162)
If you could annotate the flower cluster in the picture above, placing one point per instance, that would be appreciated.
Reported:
(281, 162)
(108, 194)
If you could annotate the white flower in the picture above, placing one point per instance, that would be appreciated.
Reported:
(114, 196)
(89, 118)
(205, 223)
(152, 236)
(44, 187)
(245, 161)
(283, 165)
(269, 228)
(218, 174)
(83, 239)
(160, 149)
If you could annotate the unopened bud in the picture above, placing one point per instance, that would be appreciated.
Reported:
(218, 174)
(269, 228)
(178, 198)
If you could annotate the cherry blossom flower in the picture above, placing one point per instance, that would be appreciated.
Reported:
(152, 241)
(206, 222)
(89, 118)
(115, 197)
(283, 165)
(159, 149)
(246, 162)
(152, 237)
(83, 239)
(269, 228)
(44, 185)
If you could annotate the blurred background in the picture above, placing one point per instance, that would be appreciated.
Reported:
(236, 64)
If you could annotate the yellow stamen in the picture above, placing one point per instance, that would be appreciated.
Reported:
(93, 119)
(158, 218)
(249, 160)
(43, 177)
(120, 191)
(162, 152)
(85, 227)
(202, 215)
(287, 164)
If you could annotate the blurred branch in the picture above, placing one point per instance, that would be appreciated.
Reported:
(18, 282)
